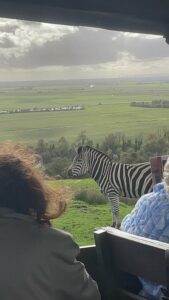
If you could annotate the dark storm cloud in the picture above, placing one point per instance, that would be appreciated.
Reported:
(87, 47)
(83, 47)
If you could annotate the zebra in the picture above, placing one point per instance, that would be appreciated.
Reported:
(114, 179)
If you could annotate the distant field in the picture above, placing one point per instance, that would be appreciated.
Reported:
(81, 219)
(107, 110)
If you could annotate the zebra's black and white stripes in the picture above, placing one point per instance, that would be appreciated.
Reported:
(114, 179)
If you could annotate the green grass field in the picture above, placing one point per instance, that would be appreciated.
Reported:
(107, 110)
(80, 218)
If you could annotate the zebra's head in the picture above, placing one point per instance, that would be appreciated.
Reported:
(79, 165)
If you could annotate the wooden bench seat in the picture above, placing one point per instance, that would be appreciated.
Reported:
(119, 255)
(119, 252)
(157, 166)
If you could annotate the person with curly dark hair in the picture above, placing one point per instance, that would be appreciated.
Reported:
(37, 262)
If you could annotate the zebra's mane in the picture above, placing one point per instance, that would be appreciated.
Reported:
(98, 151)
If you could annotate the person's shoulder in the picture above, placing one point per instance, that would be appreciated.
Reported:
(58, 239)
(55, 234)
(144, 199)
(160, 195)
(158, 190)
(152, 201)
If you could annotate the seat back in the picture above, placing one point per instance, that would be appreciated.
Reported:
(157, 166)
(119, 253)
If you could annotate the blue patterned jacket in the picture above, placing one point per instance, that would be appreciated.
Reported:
(150, 218)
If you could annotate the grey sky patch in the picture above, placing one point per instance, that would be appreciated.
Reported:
(8, 28)
(6, 42)
(144, 48)
(29, 46)
(82, 47)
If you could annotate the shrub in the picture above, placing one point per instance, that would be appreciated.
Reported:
(58, 166)
(95, 197)
(90, 196)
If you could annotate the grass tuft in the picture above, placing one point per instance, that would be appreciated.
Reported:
(90, 196)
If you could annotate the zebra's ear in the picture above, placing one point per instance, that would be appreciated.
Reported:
(79, 150)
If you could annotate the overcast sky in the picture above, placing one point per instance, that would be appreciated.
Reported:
(35, 51)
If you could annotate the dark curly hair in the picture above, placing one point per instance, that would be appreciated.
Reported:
(22, 185)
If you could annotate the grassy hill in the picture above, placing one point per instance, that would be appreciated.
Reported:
(107, 110)
(80, 218)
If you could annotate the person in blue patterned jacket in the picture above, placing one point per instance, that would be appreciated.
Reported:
(150, 218)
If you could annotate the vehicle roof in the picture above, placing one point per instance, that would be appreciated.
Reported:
(143, 16)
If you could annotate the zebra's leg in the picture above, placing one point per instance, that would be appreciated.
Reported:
(114, 202)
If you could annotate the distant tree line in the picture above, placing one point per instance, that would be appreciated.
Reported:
(152, 104)
(57, 156)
